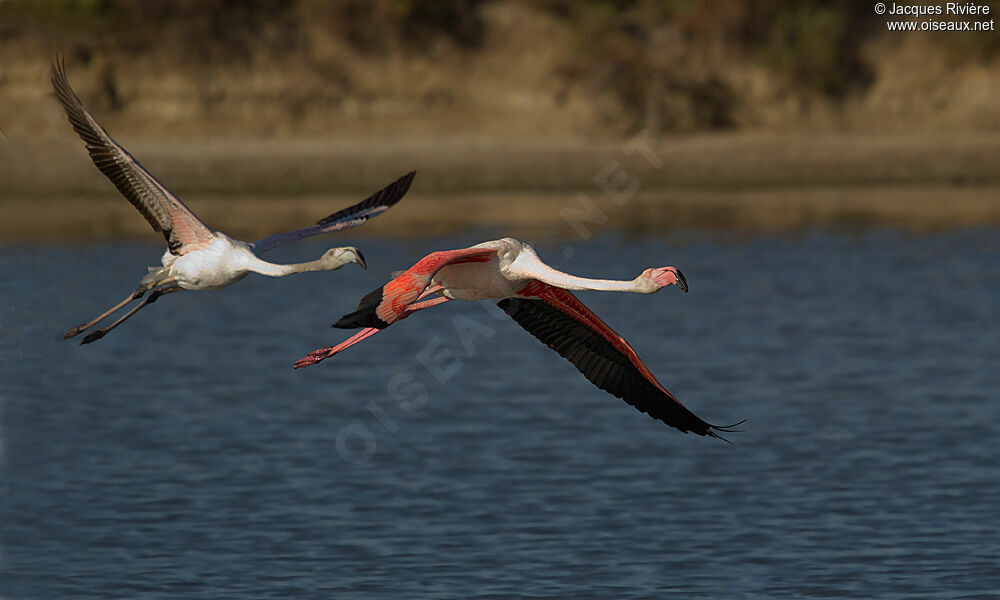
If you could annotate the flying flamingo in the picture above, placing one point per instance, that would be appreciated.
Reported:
(538, 298)
(197, 257)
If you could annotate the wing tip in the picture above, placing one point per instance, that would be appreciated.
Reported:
(395, 191)
(712, 429)
(58, 65)
(408, 178)
(380, 201)
(58, 78)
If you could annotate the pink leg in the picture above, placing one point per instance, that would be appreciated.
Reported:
(431, 289)
(324, 353)
(409, 310)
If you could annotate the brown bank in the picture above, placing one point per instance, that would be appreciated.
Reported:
(539, 187)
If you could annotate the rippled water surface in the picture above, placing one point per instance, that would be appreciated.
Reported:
(454, 456)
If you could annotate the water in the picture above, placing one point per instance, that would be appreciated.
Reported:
(181, 456)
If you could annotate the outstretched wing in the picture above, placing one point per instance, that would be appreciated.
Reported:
(385, 306)
(182, 229)
(563, 323)
(352, 216)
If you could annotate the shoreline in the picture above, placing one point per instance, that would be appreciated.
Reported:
(919, 209)
(755, 182)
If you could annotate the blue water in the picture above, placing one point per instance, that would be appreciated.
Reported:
(182, 457)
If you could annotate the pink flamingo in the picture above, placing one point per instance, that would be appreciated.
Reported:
(197, 257)
(537, 297)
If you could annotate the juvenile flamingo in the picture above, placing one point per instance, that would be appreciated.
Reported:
(537, 297)
(197, 257)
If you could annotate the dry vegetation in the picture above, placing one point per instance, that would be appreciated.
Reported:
(757, 108)
(556, 67)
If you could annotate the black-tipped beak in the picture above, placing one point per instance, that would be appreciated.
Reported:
(364, 265)
(681, 282)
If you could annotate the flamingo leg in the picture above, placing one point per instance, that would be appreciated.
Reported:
(431, 289)
(97, 334)
(409, 310)
(324, 353)
(138, 293)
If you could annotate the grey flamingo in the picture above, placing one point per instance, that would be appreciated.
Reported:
(197, 257)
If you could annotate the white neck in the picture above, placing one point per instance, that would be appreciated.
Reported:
(276, 270)
(528, 265)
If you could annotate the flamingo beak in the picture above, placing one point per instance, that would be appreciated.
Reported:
(681, 282)
(359, 258)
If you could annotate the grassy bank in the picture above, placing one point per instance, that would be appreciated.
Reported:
(592, 68)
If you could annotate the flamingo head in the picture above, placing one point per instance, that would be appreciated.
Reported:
(664, 276)
(334, 258)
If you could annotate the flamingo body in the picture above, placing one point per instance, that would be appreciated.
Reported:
(222, 262)
(538, 298)
(226, 260)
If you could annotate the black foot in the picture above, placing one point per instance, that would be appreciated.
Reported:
(93, 336)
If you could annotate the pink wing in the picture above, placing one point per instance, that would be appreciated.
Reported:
(385, 306)
(563, 323)
(182, 229)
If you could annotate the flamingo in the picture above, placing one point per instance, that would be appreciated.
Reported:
(197, 257)
(538, 297)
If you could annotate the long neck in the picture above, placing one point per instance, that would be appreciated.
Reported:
(276, 270)
(572, 282)
(536, 269)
